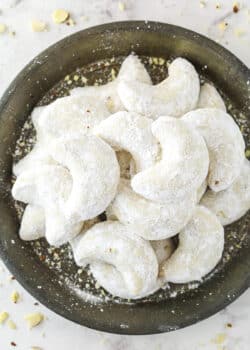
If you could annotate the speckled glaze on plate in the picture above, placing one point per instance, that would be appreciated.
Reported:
(50, 274)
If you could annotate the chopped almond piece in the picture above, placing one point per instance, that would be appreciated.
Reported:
(121, 6)
(34, 319)
(239, 31)
(38, 26)
(3, 316)
(60, 16)
(15, 297)
(11, 324)
(222, 25)
(2, 28)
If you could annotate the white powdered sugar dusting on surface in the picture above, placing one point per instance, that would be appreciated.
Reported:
(60, 260)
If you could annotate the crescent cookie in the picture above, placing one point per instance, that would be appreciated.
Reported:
(117, 245)
(200, 248)
(33, 223)
(130, 132)
(48, 187)
(225, 144)
(156, 220)
(111, 280)
(231, 204)
(35, 158)
(131, 70)
(183, 165)
(210, 98)
(95, 172)
(174, 96)
(72, 116)
(38, 153)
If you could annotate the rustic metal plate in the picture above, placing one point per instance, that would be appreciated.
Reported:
(50, 274)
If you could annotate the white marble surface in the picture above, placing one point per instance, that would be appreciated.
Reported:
(15, 52)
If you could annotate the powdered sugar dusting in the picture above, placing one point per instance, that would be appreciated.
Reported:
(60, 260)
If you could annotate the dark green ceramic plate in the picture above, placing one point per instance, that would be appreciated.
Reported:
(50, 275)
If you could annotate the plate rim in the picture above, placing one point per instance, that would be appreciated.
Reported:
(15, 85)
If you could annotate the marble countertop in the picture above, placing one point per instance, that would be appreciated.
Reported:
(229, 329)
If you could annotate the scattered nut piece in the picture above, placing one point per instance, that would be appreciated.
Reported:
(11, 324)
(2, 28)
(223, 25)
(14, 297)
(113, 74)
(161, 61)
(218, 6)
(60, 16)
(36, 348)
(70, 22)
(38, 26)
(85, 18)
(155, 60)
(11, 278)
(67, 77)
(76, 77)
(229, 325)
(236, 7)
(239, 31)
(219, 339)
(34, 319)
(109, 103)
(247, 153)
(13, 343)
(84, 80)
(202, 4)
(3, 316)
(121, 6)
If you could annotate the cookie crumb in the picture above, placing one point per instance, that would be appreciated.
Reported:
(161, 61)
(84, 80)
(113, 74)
